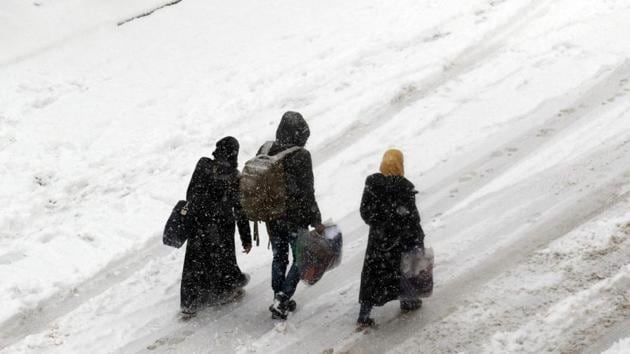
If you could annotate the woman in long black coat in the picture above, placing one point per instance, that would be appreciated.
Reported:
(211, 273)
(389, 207)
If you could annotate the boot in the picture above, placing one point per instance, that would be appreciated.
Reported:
(365, 323)
(291, 305)
(187, 314)
(364, 320)
(279, 309)
(410, 305)
(243, 281)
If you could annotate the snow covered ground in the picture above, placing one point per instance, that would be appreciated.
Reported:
(514, 116)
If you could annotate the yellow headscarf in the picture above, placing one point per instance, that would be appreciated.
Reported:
(393, 163)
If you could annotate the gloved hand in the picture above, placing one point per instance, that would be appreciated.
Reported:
(320, 228)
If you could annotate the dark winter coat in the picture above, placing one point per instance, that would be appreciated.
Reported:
(389, 207)
(210, 267)
(302, 209)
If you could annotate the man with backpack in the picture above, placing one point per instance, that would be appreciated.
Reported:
(277, 187)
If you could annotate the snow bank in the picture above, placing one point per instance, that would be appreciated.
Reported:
(512, 114)
(581, 307)
(32, 27)
(621, 347)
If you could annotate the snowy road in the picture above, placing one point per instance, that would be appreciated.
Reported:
(514, 116)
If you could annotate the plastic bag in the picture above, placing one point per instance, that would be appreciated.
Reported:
(416, 268)
(316, 254)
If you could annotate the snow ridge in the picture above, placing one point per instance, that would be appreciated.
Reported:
(513, 115)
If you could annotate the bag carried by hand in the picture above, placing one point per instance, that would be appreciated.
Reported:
(417, 273)
(316, 254)
(177, 226)
(262, 187)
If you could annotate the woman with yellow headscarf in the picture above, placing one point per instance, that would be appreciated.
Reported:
(389, 207)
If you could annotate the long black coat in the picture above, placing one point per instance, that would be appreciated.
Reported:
(210, 267)
(302, 209)
(389, 207)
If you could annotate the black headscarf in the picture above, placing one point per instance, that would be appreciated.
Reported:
(227, 150)
(293, 130)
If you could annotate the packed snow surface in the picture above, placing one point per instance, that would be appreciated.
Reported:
(514, 117)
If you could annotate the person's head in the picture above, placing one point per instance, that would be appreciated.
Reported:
(227, 150)
(393, 163)
(293, 130)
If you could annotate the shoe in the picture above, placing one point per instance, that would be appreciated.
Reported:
(186, 315)
(279, 309)
(410, 305)
(365, 323)
(291, 305)
(244, 281)
(277, 313)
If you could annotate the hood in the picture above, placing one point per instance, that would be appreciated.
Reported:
(293, 130)
(227, 150)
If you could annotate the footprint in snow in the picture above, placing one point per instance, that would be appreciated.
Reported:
(436, 36)
(544, 132)
(43, 102)
(165, 341)
(467, 177)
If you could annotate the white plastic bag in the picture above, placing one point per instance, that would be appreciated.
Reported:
(416, 268)
(317, 254)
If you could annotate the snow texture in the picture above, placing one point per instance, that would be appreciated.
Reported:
(621, 347)
(513, 116)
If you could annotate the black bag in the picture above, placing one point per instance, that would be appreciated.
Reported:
(177, 226)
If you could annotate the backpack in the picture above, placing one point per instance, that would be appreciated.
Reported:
(263, 187)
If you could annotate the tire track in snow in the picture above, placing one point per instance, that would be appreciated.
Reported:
(512, 310)
(248, 318)
(384, 117)
(463, 63)
(409, 94)
(448, 296)
(219, 320)
(35, 321)
(618, 332)
(25, 324)
(557, 114)
(575, 213)
(260, 324)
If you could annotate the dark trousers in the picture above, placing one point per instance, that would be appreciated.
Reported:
(283, 236)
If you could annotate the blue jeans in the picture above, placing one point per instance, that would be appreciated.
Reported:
(282, 237)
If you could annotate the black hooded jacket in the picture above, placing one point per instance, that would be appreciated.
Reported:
(302, 208)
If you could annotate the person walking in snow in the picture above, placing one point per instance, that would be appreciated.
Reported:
(301, 209)
(388, 206)
(211, 274)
